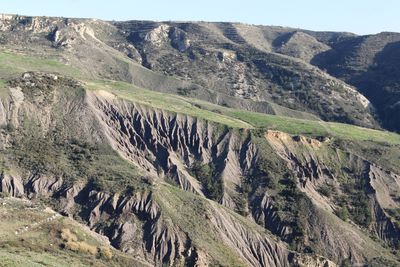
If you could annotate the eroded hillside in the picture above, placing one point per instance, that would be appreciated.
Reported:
(196, 144)
(263, 69)
(170, 188)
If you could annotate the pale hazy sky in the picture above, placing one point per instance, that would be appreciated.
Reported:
(358, 16)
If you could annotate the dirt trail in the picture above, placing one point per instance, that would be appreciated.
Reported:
(30, 227)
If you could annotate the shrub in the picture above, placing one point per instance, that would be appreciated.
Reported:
(326, 190)
(105, 252)
(343, 213)
(71, 242)
(68, 236)
(241, 204)
(81, 246)
(206, 174)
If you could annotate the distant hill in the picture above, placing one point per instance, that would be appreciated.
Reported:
(146, 143)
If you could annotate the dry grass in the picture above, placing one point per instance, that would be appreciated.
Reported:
(81, 246)
(105, 252)
(68, 236)
(72, 243)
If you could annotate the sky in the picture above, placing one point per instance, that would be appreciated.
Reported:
(357, 16)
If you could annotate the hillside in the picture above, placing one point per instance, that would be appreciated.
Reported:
(212, 62)
(189, 144)
(370, 64)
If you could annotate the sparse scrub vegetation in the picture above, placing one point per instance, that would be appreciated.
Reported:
(106, 252)
(327, 190)
(71, 242)
(57, 133)
(343, 213)
(209, 178)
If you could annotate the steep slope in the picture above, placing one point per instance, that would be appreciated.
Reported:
(370, 64)
(300, 45)
(219, 58)
(131, 203)
(147, 134)
(120, 202)
(213, 62)
(337, 180)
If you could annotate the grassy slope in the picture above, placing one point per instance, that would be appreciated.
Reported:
(240, 118)
(164, 101)
(41, 244)
(12, 64)
(230, 117)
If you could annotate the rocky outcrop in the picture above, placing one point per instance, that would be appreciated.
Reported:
(315, 164)
(129, 50)
(162, 224)
(164, 144)
(157, 35)
(33, 187)
(32, 24)
(265, 212)
(254, 247)
(386, 188)
(11, 185)
(42, 186)
(179, 39)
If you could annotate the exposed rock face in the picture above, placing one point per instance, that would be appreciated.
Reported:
(157, 35)
(43, 185)
(12, 185)
(168, 144)
(265, 211)
(179, 39)
(162, 224)
(254, 65)
(310, 160)
(385, 185)
(33, 24)
(129, 50)
(33, 187)
(255, 248)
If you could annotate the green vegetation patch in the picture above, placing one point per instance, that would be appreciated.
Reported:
(12, 64)
(3, 89)
(164, 101)
(73, 159)
(212, 184)
(241, 118)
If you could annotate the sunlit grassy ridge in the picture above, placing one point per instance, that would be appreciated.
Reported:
(164, 101)
(240, 118)
(12, 64)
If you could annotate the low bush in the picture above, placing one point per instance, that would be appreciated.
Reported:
(106, 253)
(71, 242)
(212, 184)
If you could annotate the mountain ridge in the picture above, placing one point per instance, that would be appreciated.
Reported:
(183, 144)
